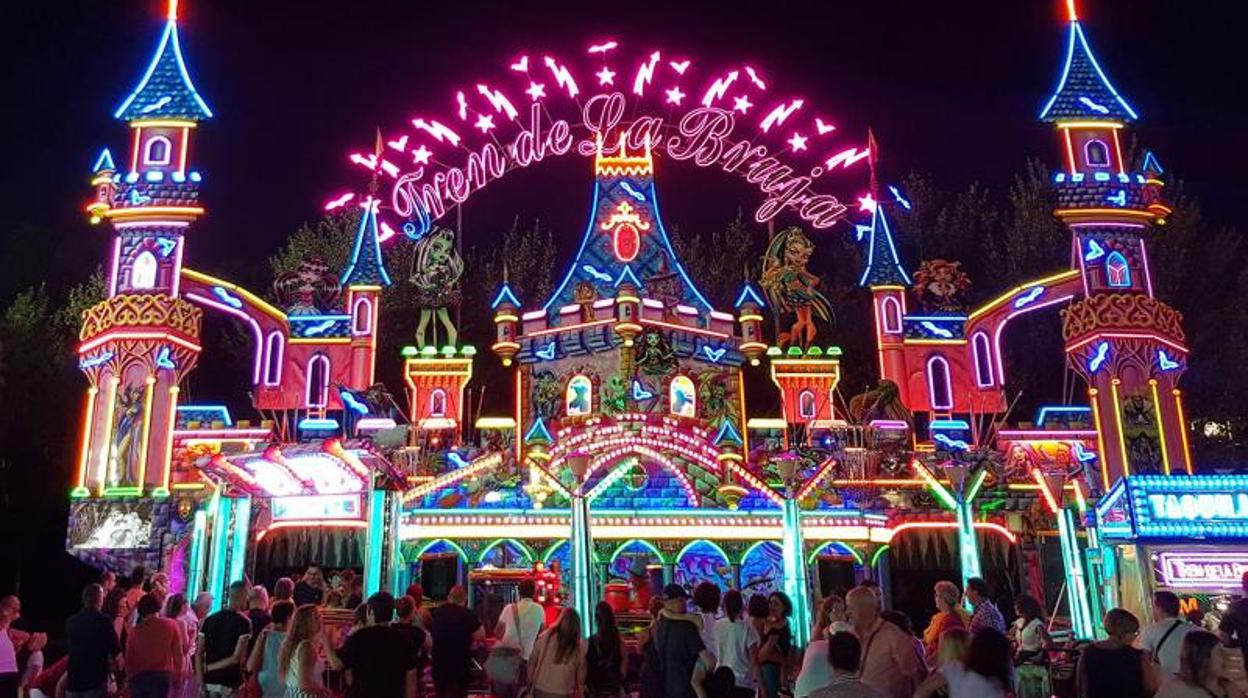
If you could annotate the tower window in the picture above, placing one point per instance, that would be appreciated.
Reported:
(143, 274)
(890, 311)
(938, 383)
(1117, 273)
(982, 351)
(362, 316)
(683, 397)
(579, 397)
(806, 408)
(158, 151)
(273, 348)
(318, 381)
(1096, 153)
(437, 403)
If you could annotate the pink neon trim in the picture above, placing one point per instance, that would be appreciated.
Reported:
(177, 268)
(1148, 275)
(323, 390)
(269, 363)
(978, 339)
(112, 281)
(356, 316)
(893, 327)
(255, 326)
(947, 404)
(986, 525)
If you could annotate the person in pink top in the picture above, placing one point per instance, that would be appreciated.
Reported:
(154, 651)
(890, 662)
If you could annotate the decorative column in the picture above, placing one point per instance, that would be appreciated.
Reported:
(959, 498)
(374, 541)
(582, 546)
(796, 578)
(1053, 489)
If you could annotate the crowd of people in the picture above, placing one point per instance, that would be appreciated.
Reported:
(134, 638)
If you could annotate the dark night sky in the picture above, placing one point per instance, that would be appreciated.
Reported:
(949, 87)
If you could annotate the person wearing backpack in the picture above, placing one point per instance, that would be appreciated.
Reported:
(517, 630)
(1164, 637)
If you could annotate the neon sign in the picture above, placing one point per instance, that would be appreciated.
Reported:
(1201, 570)
(686, 114)
(1175, 507)
(317, 507)
(1217, 506)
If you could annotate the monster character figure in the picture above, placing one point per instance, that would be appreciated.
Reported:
(436, 274)
(792, 290)
(652, 356)
(615, 395)
(546, 394)
(712, 396)
(309, 290)
(939, 285)
(125, 458)
(882, 402)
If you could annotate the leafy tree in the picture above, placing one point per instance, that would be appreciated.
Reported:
(719, 261)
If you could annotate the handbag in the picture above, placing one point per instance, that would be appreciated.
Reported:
(503, 663)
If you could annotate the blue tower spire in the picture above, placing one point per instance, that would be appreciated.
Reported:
(367, 267)
(1083, 90)
(883, 267)
(166, 90)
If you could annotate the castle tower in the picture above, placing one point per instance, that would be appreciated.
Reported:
(884, 276)
(1128, 345)
(364, 278)
(140, 342)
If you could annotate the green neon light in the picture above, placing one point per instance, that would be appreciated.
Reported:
(843, 546)
(795, 585)
(968, 545)
(395, 550)
(238, 554)
(373, 542)
(160, 492)
(220, 545)
(875, 557)
(195, 575)
(451, 543)
(528, 553)
(713, 544)
(123, 491)
(583, 585)
(940, 491)
(550, 552)
(750, 549)
(1076, 583)
(644, 543)
(976, 484)
(79, 492)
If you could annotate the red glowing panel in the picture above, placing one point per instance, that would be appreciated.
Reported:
(626, 242)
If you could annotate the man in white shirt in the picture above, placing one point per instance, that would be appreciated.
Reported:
(1164, 637)
(519, 626)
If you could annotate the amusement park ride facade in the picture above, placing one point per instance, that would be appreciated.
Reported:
(629, 446)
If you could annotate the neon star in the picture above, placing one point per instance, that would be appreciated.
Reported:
(485, 122)
(674, 96)
(536, 90)
(421, 155)
(742, 104)
(797, 142)
(867, 203)
(606, 76)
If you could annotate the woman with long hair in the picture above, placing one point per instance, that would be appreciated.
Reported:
(984, 674)
(777, 642)
(605, 659)
(1202, 673)
(298, 662)
(557, 665)
(1031, 642)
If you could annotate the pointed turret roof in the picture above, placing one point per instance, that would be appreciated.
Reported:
(166, 90)
(883, 267)
(1084, 91)
(104, 162)
(366, 268)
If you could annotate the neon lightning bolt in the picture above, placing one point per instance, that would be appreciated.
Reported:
(499, 101)
(562, 77)
(779, 114)
(718, 88)
(846, 158)
(437, 130)
(645, 74)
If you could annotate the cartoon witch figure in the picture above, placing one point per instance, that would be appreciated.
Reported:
(652, 355)
(126, 437)
(792, 290)
(940, 284)
(436, 271)
(309, 290)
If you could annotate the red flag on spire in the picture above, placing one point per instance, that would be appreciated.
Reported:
(873, 157)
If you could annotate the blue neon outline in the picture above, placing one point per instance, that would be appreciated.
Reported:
(959, 424)
(1045, 410)
(628, 271)
(667, 244)
(1077, 31)
(504, 294)
(104, 161)
(1149, 157)
(171, 29)
(369, 215)
(220, 409)
(727, 431)
(748, 291)
(1097, 362)
(317, 424)
(1126, 270)
(878, 214)
(589, 229)
(935, 318)
(543, 433)
(302, 318)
